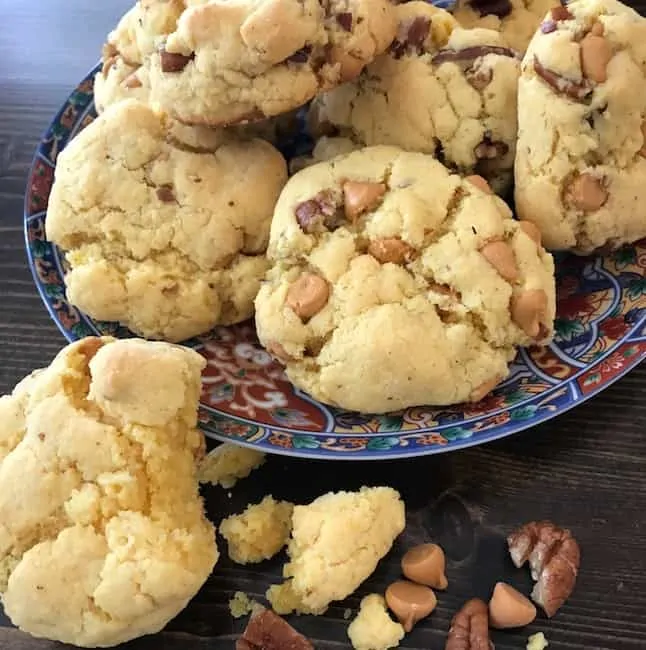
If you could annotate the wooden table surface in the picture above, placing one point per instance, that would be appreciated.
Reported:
(586, 470)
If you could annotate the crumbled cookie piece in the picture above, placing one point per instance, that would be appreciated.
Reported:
(241, 605)
(396, 283)
(228, 463)
(373, 629)
(169, 265)
(107, 436)
(554, 558)
(580, 162)
(440, 90)
(321, 569)
(516, 20)
(259, 532)
(537, 642)
(267, 631)
(226, 64)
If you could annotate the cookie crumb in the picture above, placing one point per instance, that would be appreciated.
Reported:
(240, 605)
(537, 642)
(347, 613)
(227, 464)
(373, 629)
(259, 532)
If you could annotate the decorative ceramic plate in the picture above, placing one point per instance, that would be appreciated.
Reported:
(600, 335)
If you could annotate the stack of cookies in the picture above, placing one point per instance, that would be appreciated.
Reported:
(387, 271)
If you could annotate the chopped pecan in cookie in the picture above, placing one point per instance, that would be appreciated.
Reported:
(479, 77)
(344, 20)
(490, 149)
(577, 90)
(410, 38)
(268, 631)
(173, 61)
(324, 211)
(165, 194)
(471, 53)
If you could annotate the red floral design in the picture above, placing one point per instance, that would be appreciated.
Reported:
(614, 328)
(283, 440)
(40, 186)
(431, 439)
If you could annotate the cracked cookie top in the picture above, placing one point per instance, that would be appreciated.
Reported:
(440, 90)
(582, 127)
(230, 62)
(159, 237)
(396, 283)
(516, 20)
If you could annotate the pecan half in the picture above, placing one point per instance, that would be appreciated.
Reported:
(470, 628)
(554, 559)
(579, 91)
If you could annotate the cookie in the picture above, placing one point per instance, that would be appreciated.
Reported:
(516, 20)
(320, 569)
(228, 463)
(373, 629)
(396, 283)
(119, 80)
(581, 160)
(140, 30)
(103, 536)
(440, 90)
(235, 62)
(165, 240)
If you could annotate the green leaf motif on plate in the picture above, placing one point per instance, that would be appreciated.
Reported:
(38, 248)
(390, 423)
(382, 443)
(524, 412)
(637, 288)
(305, 442)
(625, 256)
(567, 329)
(594, 378)
(457, 433)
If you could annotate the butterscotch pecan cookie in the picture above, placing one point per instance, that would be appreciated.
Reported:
(230, 62)
(396, 283)
(440, 89)
(581, 162)
(164, 239)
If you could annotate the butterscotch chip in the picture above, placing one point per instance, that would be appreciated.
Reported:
(410, 602)
(509, 608)
(361, 197)
(425, 564)
(391, 249)
(501, 256)
(308, 295)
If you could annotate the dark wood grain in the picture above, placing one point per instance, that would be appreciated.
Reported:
(585, 470)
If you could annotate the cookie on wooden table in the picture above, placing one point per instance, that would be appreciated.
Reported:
(396, 283)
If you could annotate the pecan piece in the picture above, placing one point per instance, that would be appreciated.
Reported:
(410, 38)
(490, 149)
(173, 61)
(323, 211)
(268, 631)
(479, 77)
(344, 21)
(470, 628)
(391, 250)
(554, 559)
(579, 91)
(165, 194)
(471, 53)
